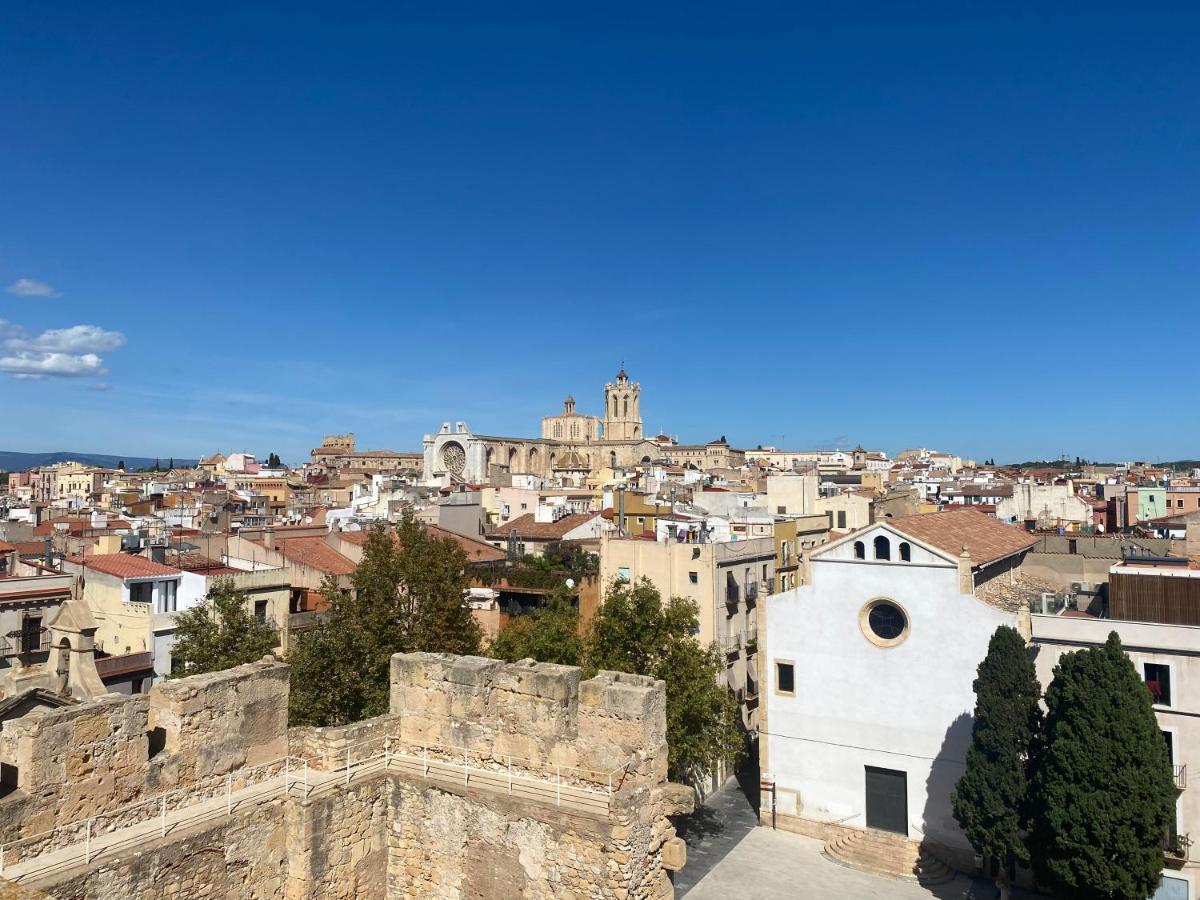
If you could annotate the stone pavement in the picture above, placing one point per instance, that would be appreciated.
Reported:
(730, 856)
(715, 828)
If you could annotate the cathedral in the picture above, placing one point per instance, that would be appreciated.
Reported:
(573, 445)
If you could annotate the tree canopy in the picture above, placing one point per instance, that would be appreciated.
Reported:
(549, 633)
(990, 797)
(220, 633)
(407, 594)
(635, 631)
(1102, 781)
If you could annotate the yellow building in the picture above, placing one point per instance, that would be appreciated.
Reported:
(792, 537)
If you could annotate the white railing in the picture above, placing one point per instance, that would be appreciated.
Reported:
(306, 776)
(293, 770)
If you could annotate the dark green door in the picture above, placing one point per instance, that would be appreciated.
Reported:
(887, 800)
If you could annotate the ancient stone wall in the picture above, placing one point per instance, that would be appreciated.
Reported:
(92, 757)
(535, 712)
(393, 831)
(245, 856)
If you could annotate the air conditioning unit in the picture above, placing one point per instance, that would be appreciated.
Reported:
(1080, 586)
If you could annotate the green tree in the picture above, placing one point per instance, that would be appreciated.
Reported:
(120, 465)
(634, 631)
(273, 461)
(406, 595)
(549, 633)
(1102, 790)
(220, 633)
(990, 797)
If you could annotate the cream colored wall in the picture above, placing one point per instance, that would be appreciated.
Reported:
(119, 624)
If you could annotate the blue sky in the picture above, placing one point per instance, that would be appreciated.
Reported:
(967, 226)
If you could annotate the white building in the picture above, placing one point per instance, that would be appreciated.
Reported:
(868, 673)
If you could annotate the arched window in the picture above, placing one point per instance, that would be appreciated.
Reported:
(860, 550)
(626, 406)
(905, 551)
(558, 429)
(883, 548)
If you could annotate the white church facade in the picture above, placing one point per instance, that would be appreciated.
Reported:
(867, 676)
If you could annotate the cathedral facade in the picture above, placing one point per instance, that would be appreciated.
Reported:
(570, 441)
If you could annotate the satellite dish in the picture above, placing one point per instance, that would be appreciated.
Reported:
(570, 583)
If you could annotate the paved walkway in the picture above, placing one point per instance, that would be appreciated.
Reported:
(778, 864)
(729, 855)
(717, 827)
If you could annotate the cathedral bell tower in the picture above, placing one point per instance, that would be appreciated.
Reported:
(623, 409)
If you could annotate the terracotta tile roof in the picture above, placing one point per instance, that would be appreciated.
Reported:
(6, 547)
(527, 527)
(986, 539)
(314, 553)
(123, 565)
(476, 551)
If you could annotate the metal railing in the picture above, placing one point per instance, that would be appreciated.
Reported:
(16, 645)
(128, 662)
(1180, 773)
(1177, 846)
(85, 831)
(307, 775)
(514, 775)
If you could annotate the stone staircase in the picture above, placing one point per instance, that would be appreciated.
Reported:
(884, 853)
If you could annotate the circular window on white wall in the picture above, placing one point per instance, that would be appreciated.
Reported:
(884, 622)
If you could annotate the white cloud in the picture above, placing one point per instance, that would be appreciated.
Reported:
(56, 353)
(27, 287)
(62, 365)
(76, 339)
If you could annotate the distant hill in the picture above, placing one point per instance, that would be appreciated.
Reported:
(11, 461)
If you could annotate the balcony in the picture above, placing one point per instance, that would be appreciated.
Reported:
(751, 643)
(18, 644)
(112, 666)
(298, 621)
(733, 594)
(1180, 777)
(1176, 848)
(751, 592)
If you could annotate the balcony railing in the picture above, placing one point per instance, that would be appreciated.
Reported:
(298, 621)
(1176, 848)
(128, 662)
(751, 591)
(1180, 777)
(16, 645)
(733, 594)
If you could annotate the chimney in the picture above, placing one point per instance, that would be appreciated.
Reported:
(1192, 540)
(48, 555)
(269, 537)
(966, 581)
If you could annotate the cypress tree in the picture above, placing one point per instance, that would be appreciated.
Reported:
(990, 796)
(1102, 794)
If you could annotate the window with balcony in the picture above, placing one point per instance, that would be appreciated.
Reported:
(1158, 680)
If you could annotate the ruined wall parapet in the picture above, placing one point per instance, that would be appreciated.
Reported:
(92, 757)
(538, 712)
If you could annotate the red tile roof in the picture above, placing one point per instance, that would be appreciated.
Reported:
(985, 538)
(527, 527)
(314, 553)
(123, 565)
(477, 551)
